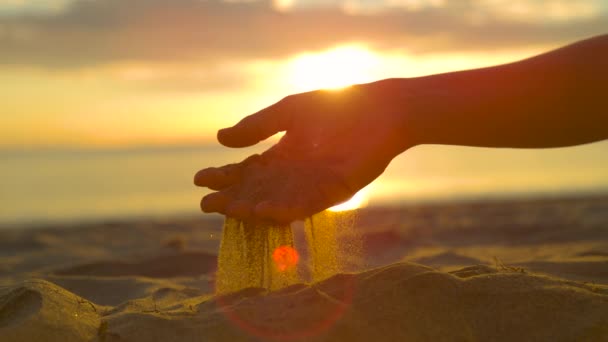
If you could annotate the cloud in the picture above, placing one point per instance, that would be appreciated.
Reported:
(181, 78)
(93, 32)
(33, 6)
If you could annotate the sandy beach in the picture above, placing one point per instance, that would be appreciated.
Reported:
(307, 171)
(528, 270)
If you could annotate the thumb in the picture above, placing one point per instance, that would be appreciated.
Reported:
(256, 127)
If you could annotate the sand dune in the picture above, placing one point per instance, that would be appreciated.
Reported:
(166, 266)
(400, 302)
(37, 310)
(520, 270)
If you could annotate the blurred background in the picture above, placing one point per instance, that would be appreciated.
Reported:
(109, 107)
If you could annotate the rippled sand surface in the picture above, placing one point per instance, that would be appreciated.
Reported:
(500, 271)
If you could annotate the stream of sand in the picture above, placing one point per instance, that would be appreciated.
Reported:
(265, 256)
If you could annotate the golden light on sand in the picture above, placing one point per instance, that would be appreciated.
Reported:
(359, 200)
(333, 69)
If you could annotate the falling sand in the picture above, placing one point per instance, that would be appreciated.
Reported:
(265, 255)
(246, 257)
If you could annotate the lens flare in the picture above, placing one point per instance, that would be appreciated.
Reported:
(285, 258)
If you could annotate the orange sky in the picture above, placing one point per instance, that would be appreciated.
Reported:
(116, 73)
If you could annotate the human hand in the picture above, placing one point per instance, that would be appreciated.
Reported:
(336, 142)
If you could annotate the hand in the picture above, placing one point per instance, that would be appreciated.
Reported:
(336, 143)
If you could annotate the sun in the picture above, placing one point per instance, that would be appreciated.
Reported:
(333, 69)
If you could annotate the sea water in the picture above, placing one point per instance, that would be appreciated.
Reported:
(41, 186)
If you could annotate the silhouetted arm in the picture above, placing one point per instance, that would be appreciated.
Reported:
(559, 98)
(337, 142)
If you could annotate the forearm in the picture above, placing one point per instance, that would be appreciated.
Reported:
(556, 99)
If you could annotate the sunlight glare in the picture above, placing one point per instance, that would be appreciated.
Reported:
(283, 5)
(359, 200)
(333, 69)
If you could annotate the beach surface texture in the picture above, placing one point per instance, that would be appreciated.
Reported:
(527, 270)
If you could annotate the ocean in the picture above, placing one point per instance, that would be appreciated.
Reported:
(73, 185)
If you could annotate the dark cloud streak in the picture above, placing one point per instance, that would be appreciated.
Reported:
(106, 31)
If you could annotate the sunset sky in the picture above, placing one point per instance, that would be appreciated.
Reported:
(97, 73)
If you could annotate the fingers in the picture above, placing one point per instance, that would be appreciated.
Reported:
(321, 194)
(215, 202)
(282, 213)
(257, 127)
(240, 209)
(220, 202)
(246, 210)
(218, 178)
(269, 211)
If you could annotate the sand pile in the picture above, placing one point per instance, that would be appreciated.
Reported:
(401, 302)
(543, 278)
(38, 310)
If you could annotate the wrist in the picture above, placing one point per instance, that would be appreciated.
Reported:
(401, 100)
